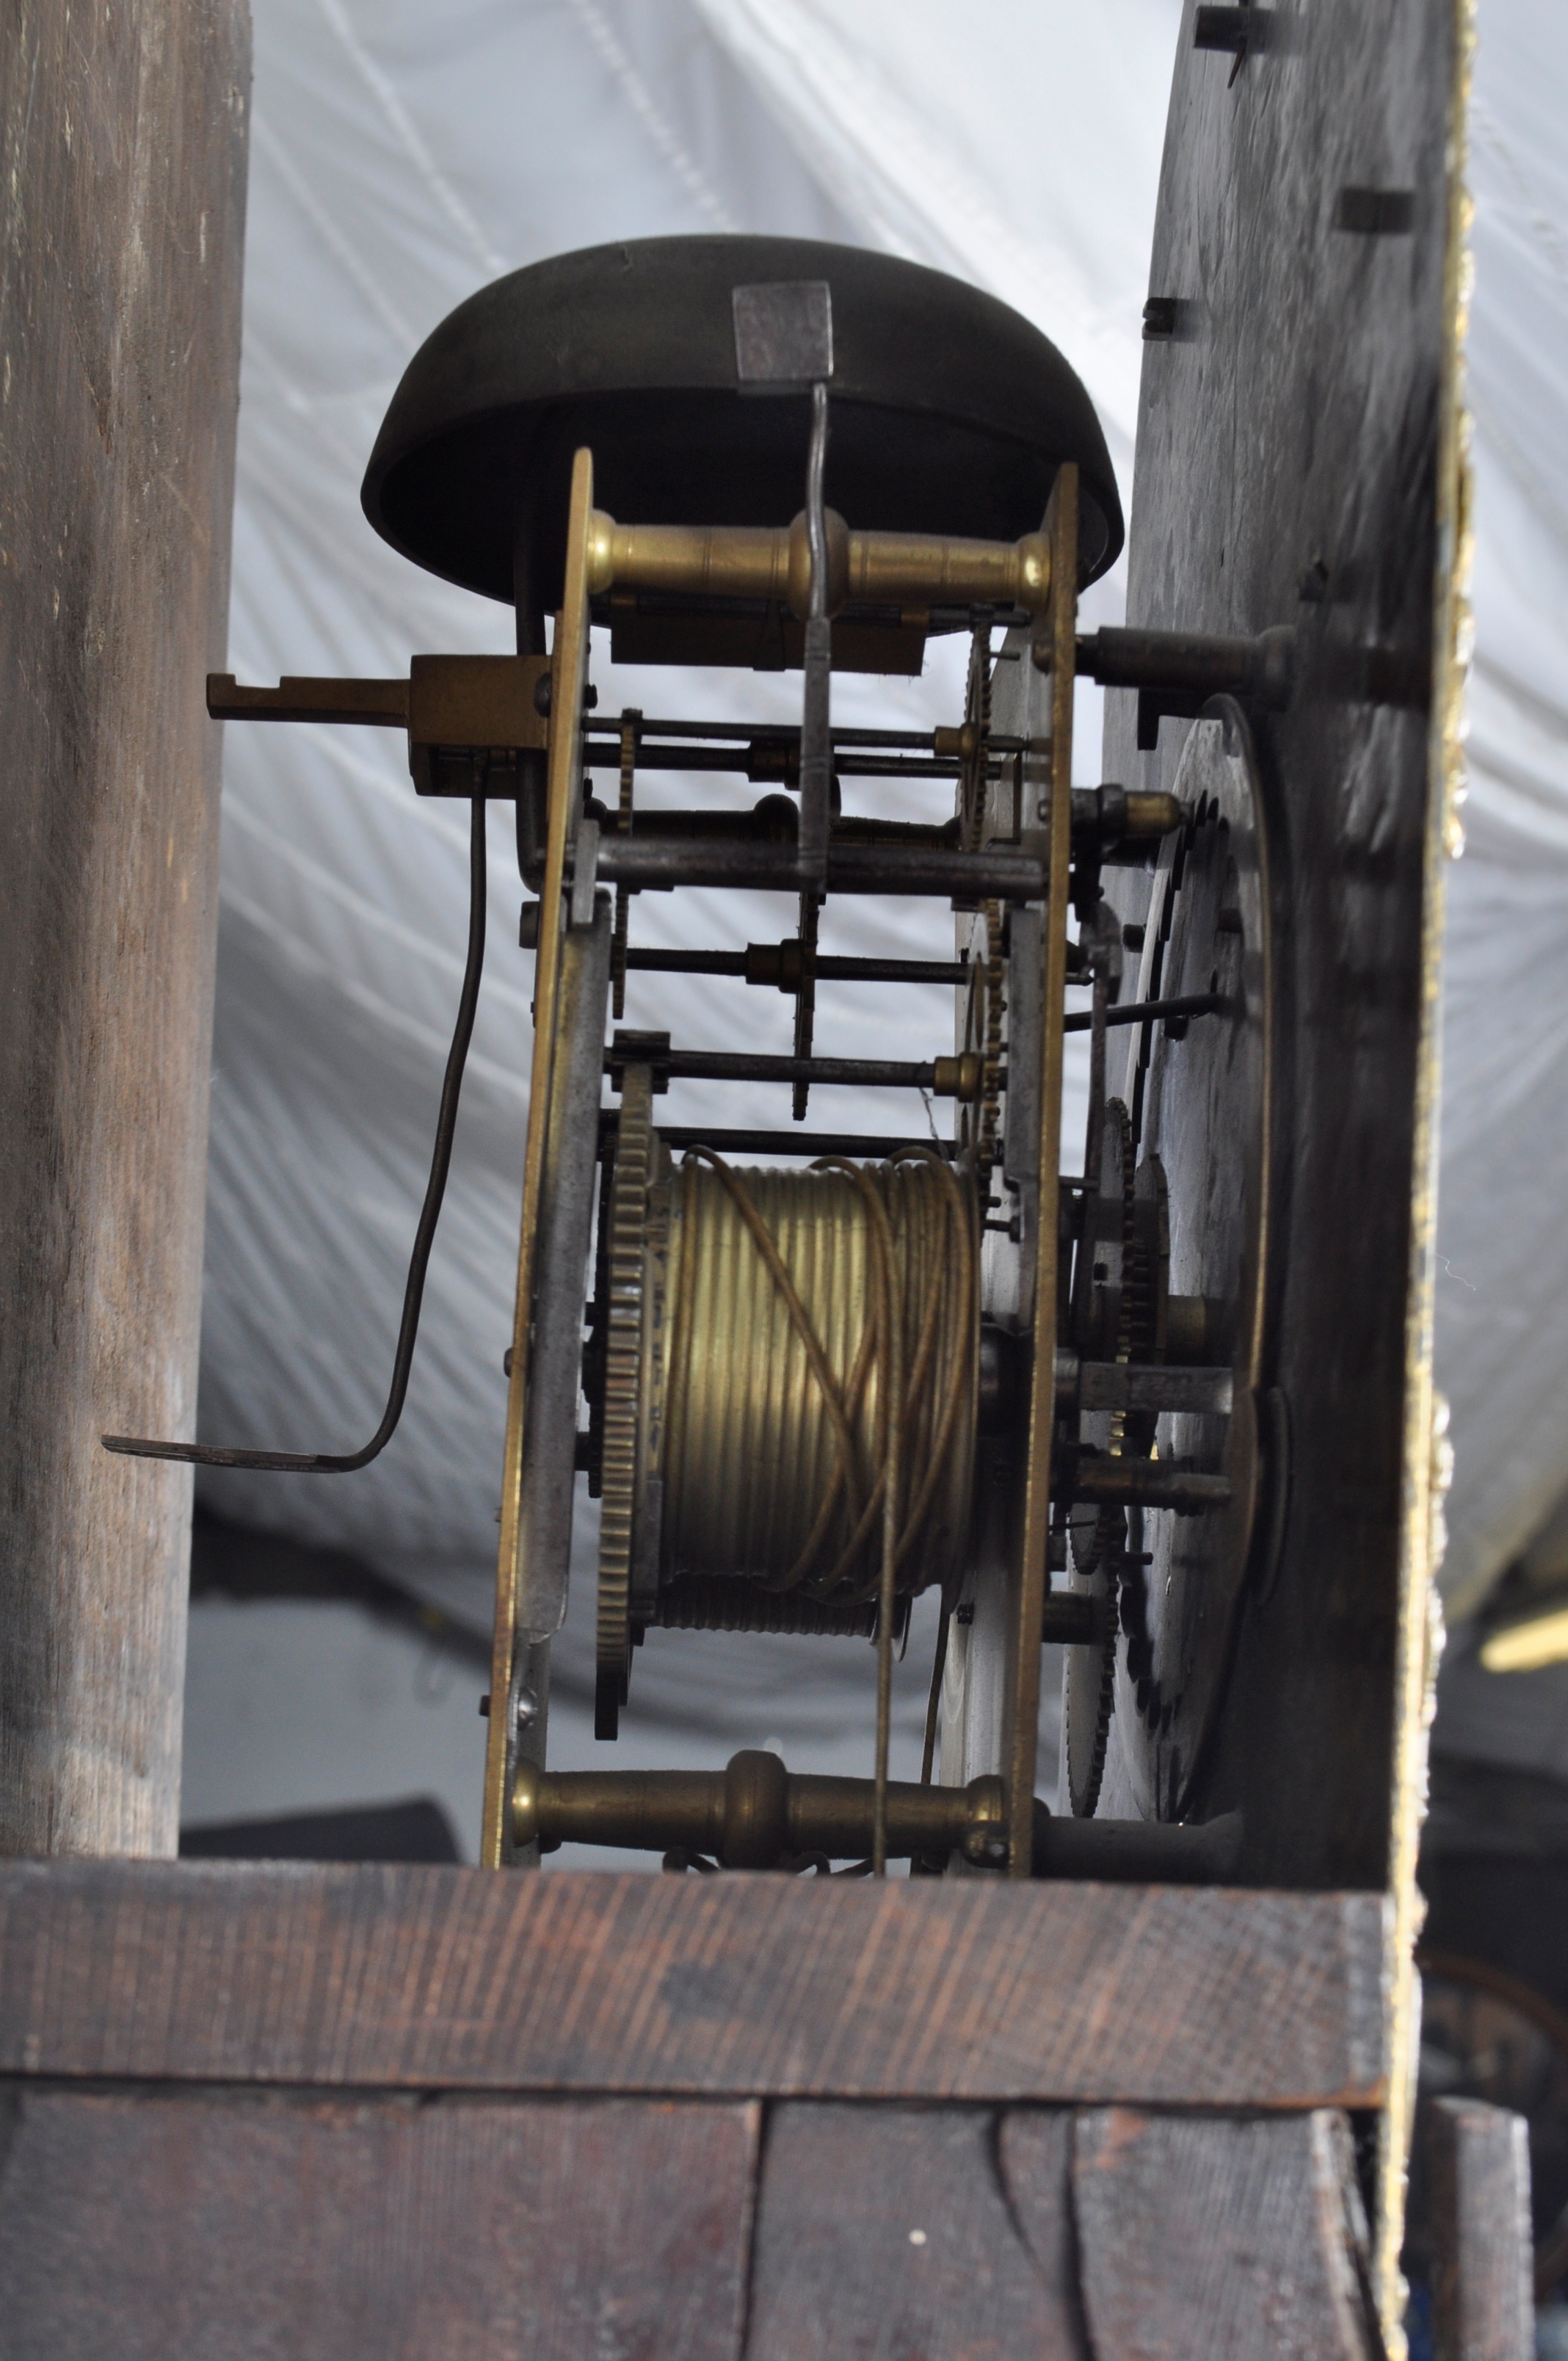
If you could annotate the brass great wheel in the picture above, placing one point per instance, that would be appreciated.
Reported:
(628, 1215)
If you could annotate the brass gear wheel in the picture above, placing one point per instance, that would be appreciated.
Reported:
(1114, 1221)
(1111, 1259)
(1089, 1692)
(975, 760)
(983, 1013)
(990, 1055)
(628, 1217)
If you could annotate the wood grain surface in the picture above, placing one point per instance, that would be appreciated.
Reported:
(1481, 2296)
(415, 1977)
(251, 2227)
(213, 2224)
(123, 127)
(887, 2231)
(1225, 2239)
(1286, 474)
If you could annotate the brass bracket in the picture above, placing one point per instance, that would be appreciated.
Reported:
(568, 674)
(462, 705)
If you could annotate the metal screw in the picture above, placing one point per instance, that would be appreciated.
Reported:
(542, 697)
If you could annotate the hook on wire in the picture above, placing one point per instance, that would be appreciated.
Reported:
(327, 1463)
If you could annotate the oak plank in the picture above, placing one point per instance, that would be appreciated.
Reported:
(232, 2226)
(123, 129)
(1240, 2240)
(1479, 2232)
(413, 1977)
(887, 2232)
(1295, 417)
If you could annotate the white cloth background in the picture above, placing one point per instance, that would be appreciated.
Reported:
(1503, 1273)
(403, 153)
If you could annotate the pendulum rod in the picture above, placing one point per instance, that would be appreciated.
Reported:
(816, 740)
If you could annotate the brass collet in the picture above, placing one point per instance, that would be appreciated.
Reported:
(960, 1077)
(753, 1815)
(889, 569)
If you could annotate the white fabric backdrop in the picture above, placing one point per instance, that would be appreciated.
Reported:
(1502, 1275)
(404, 153)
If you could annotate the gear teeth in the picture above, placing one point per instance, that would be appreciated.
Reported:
(972, 787)
(1106, 1708)
(627, 1216)
(977, 716)
(1101, 1558)
(1083, 1802)
(990, 1064)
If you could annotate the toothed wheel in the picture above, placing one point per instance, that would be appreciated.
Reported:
(628, 1218)
(975, 759)
(983, 1028)
(1201, 1096)
(1089, 1691)
(990, 1065)
(1108, 1315)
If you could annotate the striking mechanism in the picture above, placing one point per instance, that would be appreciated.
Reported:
(824, 1372)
